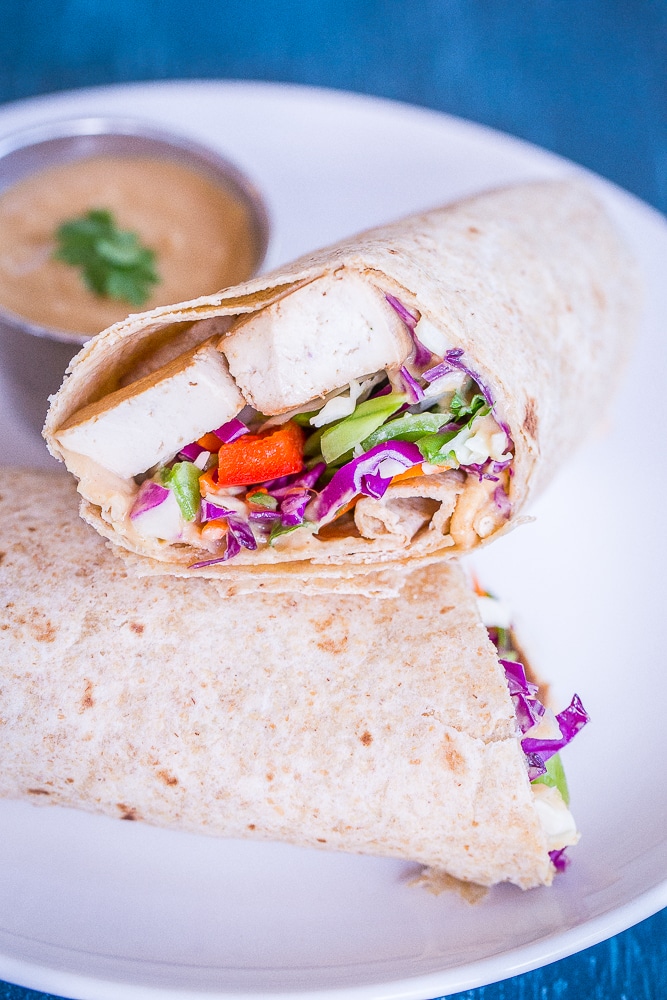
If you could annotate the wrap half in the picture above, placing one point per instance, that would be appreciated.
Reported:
(401, 394)
(382, 727)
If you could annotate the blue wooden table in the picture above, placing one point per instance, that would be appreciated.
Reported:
(586, 78)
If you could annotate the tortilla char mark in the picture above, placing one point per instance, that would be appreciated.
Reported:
(166, 777)
(38, 626)
(530, 419)
(451, 757)
(127, 812)
(87, 701)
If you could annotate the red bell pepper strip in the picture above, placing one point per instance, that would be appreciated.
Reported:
(255, 458)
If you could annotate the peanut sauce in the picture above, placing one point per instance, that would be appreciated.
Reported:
(202, 235)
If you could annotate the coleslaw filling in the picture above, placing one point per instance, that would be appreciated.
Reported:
(300, 470)
(543, 734)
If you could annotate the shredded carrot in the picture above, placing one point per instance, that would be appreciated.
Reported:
(416, 470)
(209, 442)
(208, 482)
(214, 529)
(348, 506)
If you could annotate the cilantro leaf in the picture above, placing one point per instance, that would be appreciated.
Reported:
(462, 410)
(434, 448)
(280, 529)
(264, 500)
(113, 262)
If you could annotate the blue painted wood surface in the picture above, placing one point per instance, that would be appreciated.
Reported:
(584, 78)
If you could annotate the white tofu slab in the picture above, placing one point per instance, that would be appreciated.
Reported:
(337, 328)
(150, 420)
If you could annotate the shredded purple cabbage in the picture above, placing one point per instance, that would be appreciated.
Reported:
(422, 353)
(570, 721)
(150, 495)
(239, 533)
(517, 681)
(560, 859)
(233, 549)
(375, 486)
(443, 367)
(293, 508)
(452, 361)
(529, 711)
(226, 433)
(230, 431)
(536, 766)
(263, 516)
(501, 500)
(240, 529)
(362, 476)
(412, 387)
(482, 471)
(303, 480)
(191, 452)
(408, 318)
(209, 511)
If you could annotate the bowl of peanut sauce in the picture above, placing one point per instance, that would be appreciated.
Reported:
(162, 218)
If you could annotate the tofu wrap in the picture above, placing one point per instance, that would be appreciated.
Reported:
(381, 727)
(402, 394)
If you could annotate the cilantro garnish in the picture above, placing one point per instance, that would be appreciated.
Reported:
(462, 410)
(262, 500)
(280, 529)
(434, 448)
(113, 262)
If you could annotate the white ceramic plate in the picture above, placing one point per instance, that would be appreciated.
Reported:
(92, 908)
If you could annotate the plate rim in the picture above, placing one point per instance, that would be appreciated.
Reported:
(468, 975)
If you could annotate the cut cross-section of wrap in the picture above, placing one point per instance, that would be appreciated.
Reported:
(388, 727)
(401, 394)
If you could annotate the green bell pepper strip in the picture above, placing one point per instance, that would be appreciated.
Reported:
(183, 479)
(408, 427)
(555, 777)
(262, 500)
(367, 417)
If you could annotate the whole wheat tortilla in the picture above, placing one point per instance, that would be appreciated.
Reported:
(339, 722)
(531, 281)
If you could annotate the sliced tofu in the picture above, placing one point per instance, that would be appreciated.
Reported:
(337, 328)
(149, 421)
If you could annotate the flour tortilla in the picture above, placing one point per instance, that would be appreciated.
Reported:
(532, 282)
(375, 727)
